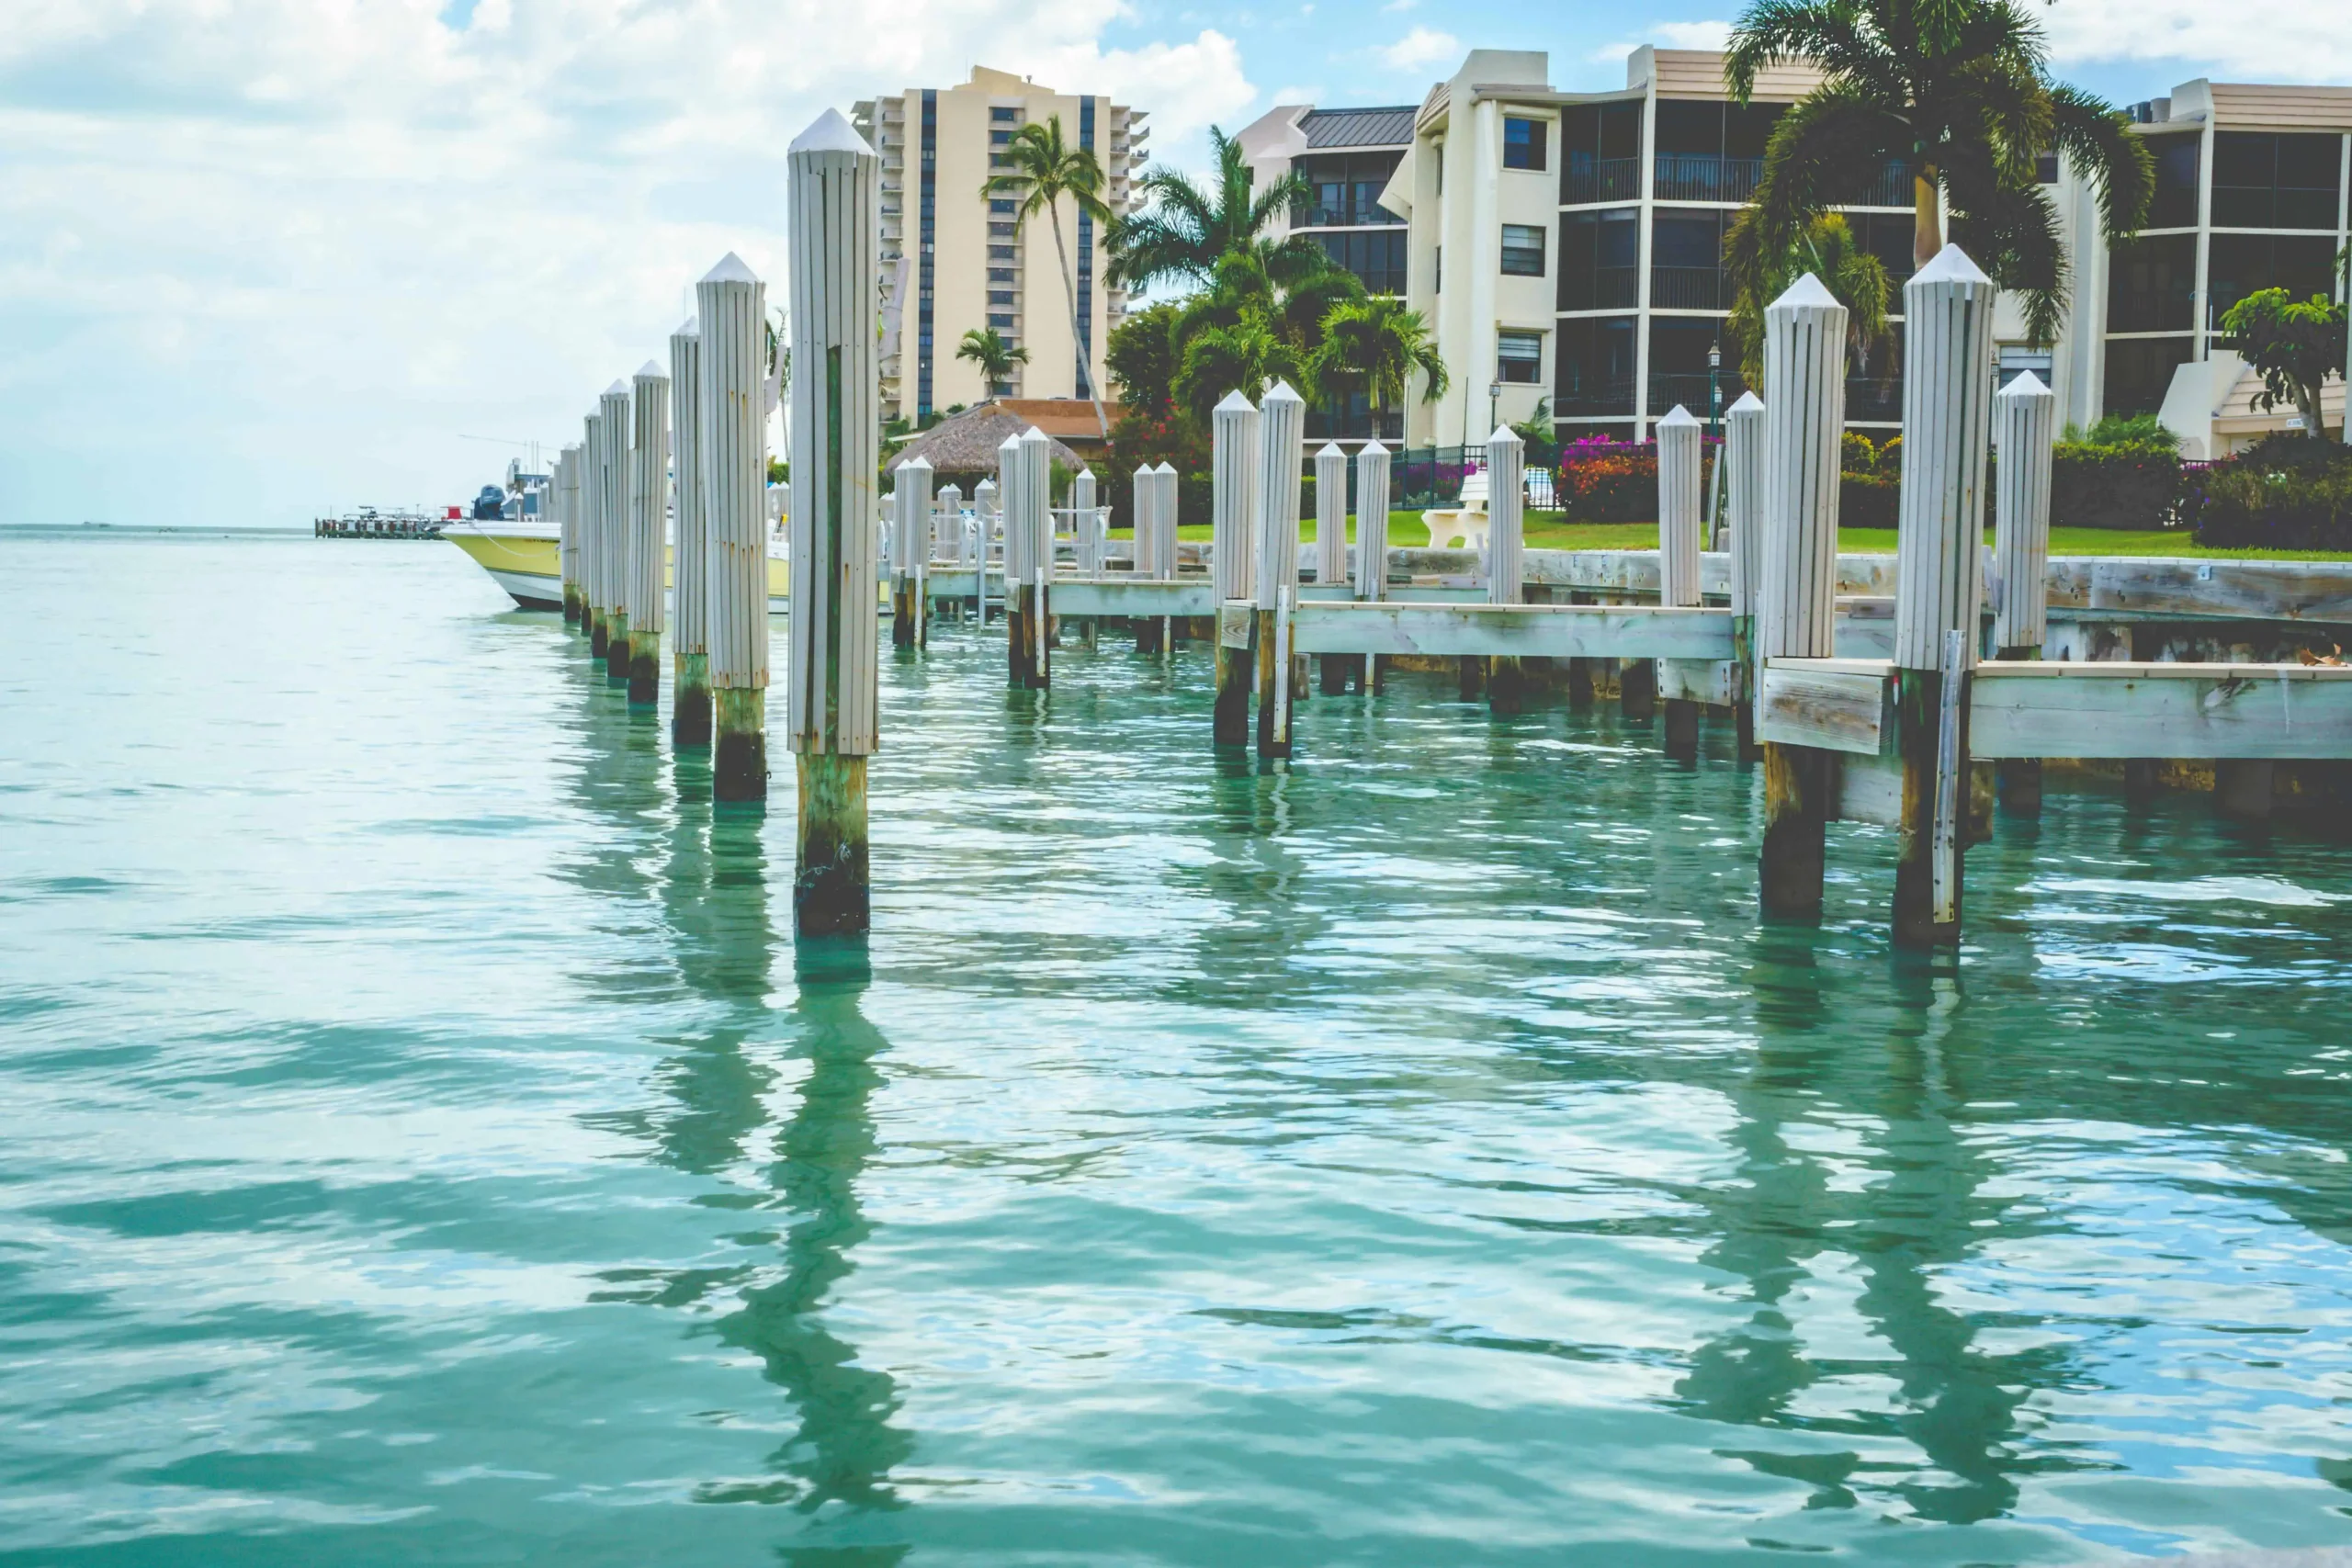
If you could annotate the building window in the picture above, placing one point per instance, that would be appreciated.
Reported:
(2240, 265)
(1519, 359)
(1593, 369)
(1001, 320)
(2149, 283)
(1375, 255)
(1679, 366)
(999, 253)
(2266, 181)
(2139, 372)
(1523, 249)
(1004, 116)
(1686, 259)
(1523, 144)
(1000, 138)
(1002, 232)
(1344, 190)
(1437, 269)
(1601, 256)
(999, 275)
(1000, 297)
(1601, 153)
(2178, 157)
(1001, 207)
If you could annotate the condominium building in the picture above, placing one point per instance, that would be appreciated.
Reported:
(955, 259)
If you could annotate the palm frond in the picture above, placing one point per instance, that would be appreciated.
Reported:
(2099, 140)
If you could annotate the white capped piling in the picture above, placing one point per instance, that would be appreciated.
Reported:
(1087, 537)
(947, 538)
(1010, 478)
(1506, 559)
(731, 420)
(984, 522)
(1282, 423)
(567, 512)
(1939, 594)
(1143, 515)
(1035, 521)
(612, 485)
(1164, 561)
(1371, 520)
(1742, 466)
(1234, 478)
(833, 224)
(648, 506)
(1805, 414)
(593, 612)
(1679, 525)
(909, 548)
(690, 593)
(2024, 421)
(1331, 513)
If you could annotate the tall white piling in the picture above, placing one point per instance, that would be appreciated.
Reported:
(2024, 421)
(1947, 413)
(648, 506)
(690, 628)
(1035, 521)
(1011, 474)
(594, 614)
(731, 420)
(1743, 469)
(1372, 549)
(1506, 559)
(1165, 509)
(1086, 537)
(1330, 513)
(1282, 423)
(567, 511)
(909, 548)
(832, 225)
(1679, 523)
(1804, 414)
(985, 507)
(1234, 477)
(613, 484)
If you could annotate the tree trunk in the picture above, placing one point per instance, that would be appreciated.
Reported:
(1077, 337)
(2307, 405)
(1927, 217)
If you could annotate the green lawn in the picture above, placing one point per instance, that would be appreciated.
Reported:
(1550, 531)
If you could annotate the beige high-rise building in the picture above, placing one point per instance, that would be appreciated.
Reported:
(954, 259)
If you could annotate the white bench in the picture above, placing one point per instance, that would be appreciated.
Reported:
(1467, 522)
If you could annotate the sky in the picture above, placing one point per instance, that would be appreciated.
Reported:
(262, 260)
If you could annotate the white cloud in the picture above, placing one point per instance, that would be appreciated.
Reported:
(2261, 40)
(1296, 94)
(1421, 46)
(284, 253)
(1667, 35)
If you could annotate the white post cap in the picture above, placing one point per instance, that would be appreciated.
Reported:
(1747, 400)
(1282, 391)
(1331, 449)
(1234, 402)
(829, 132)
(1805, 291)
(2027, 385)
(1680, 416)
(730, 269)
(922, 463)
(1950, 266)
(690, 327)
(1505, 433)
(1372, 446)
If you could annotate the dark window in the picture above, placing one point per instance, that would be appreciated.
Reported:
(1592, 371)
(2045, 169)
(1522, 249)
(1679, 366)
(1437, 269)
(1003, 116)
(1000, 138)
(1686, 259)
(999, 321)
(1519, 359)
(929, 234)
(1000, 297)
(1522, 142)
(2240, 265)
(1599, 259)
(2139, 372)
(1888, 236)
(1692, 161)
(1344, 189)
(1001, 230)
(1601, 153)
(2149, 284)
(1000, 205)
(2173, 206)
(1375, 255)
(2266, 181)
(999, 275)
(999, 253)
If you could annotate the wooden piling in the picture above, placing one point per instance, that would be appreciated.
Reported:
(910, 546)
(1163, 541)
(593, 610)
(1035, 521)
(613, 480)
(1233, 539)
(832, 227)
(1332, 550)
(567, 503)
(730, 417)
(985, 510)
(1372, 547)
(1505, 553)
(1679, 526)
(2024, 424)
(649, 531)
(1804, 414)
(1947, 408)
(1741, 463)
(690, 630)
(1281, 423)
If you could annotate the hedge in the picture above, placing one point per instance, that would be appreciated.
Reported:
(2286, 492)
(2127, 486)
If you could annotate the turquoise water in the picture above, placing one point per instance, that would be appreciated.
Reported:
(420, 1141)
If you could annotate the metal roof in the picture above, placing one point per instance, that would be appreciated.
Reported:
(1358, 127)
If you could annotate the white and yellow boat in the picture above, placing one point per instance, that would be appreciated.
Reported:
(522, 558)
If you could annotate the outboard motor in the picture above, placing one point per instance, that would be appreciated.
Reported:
(491, 504)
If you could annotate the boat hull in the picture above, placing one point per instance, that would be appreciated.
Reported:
(529, 567)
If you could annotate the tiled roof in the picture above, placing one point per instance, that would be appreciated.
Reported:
(1358, 127)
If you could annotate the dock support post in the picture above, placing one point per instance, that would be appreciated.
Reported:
(2024, 423)
(832, 226)
(613, 479)
(1804, 412)
(1332, 550)
(1372, 547)
(689, 569)
(984, 517)
(567, 505)
(910, 551)
(1036, 519)
(1679, 526)
(1087, 535)
(1741, 462)
(1143, 520)
(1282, 421)
(649, 505)
(1505, 553)
(730, 419)
(1007, 496)
(1947, 409)
(1233, 541)
(947, 533)
(1163, 561)
(592, 614)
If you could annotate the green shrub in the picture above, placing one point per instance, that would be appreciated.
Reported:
(2132, 485)
(2286, 492)
(1866, 501)
(2127, 430)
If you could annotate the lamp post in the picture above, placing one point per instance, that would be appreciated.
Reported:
(1714, 388)
(1494, 403)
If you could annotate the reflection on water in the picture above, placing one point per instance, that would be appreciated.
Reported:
(420, 1140)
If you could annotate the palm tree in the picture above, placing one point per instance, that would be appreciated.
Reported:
(1187, 230)
(1044, 169)
(1958, 93)
(986, 348)
(1829, 250)
(1376, 346)
(1247, 354)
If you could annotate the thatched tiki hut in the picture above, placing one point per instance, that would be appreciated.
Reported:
(962, 450)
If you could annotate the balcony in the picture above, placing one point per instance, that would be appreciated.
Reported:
(1605, 395)
(1700, 176)
(1890, 186)
(1590, 179)
(1669, 388)
(1600, 289)
(1688, 289)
